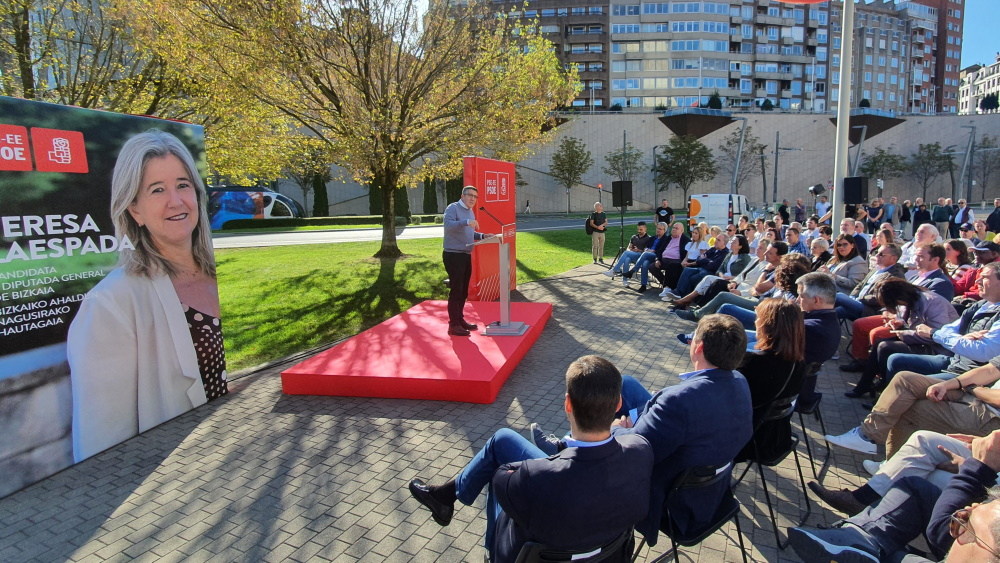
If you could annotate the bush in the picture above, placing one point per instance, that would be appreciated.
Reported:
(312, 221)
(439, 219)
(415, 220)
(401, 221)
(615, 107)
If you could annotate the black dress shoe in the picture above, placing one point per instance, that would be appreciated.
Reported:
(857, 393)
(458, 330)
(853, 367)
(642, 289)
(440, 511)
(469, 326)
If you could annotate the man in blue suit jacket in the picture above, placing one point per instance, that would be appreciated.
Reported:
(706, 419)
(580, 499)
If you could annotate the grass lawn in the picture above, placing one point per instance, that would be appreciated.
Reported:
(311, 228)
(277, 301)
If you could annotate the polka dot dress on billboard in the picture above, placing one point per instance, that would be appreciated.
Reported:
(206, 334)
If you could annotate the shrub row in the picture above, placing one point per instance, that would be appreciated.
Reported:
(322, 221)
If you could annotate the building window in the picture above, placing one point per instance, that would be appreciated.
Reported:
(626, 10)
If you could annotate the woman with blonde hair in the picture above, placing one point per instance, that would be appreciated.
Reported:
(146, 345)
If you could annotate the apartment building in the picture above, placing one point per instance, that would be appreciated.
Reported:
(977, 82)
(677, 53)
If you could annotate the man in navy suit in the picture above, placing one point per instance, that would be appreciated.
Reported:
(580, 499)
(706, 419)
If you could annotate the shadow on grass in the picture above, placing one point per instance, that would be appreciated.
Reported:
(320, 306)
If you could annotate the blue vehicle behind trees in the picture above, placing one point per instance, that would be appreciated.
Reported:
(246, 202)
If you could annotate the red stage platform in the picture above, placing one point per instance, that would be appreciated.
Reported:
(412, 356)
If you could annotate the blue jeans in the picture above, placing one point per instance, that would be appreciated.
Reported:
(849, 308)
(932, 366)
(689, 279)
(902, 514)
(747, 317)
(506, 446)
(627, 258)
(643, 264)
(634, 395)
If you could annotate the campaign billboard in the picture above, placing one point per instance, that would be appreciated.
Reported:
(97, 337)
(495, 181)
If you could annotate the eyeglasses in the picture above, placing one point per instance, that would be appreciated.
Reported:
(959, 525)
(843, 244)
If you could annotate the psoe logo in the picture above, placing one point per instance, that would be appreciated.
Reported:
(59, 151)
(14, 154)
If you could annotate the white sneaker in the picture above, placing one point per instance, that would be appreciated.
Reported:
(853, 439)
(610, 273)
(872, 466)
(624, 281)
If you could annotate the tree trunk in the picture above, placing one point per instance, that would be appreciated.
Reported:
(387, 187)
(22, 41)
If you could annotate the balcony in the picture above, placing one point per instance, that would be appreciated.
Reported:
(764, 19)
(735, 75)
(738, 20)
(812, 42)
(760, 93)
(773, 75)
(786, 93)
(787, 41)
(813, 23)
(763, 2)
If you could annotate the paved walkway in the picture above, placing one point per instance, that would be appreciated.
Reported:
(260, 476)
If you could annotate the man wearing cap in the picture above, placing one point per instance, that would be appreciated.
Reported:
(968, 233)
(986, 253)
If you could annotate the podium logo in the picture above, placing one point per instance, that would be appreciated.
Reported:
(14, 154)
(59, 151)
(497, 186)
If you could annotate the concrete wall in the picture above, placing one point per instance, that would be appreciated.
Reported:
(813, 134)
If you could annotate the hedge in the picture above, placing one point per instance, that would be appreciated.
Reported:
(315, 221)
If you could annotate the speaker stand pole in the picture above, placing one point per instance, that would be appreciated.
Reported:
(621, 238)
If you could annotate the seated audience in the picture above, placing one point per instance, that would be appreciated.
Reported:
(820, 252)
(733, 264)
(862, 239)
(906, 306)
(707, 265)
(927, 455)
(774, 370)
(958, 264)
(969, 342)
(578, 499)
(924, 235)
(861, 301)
(956, 526)
(648, 256)
(792, 267)
(983, 231)
(847, 267)
(914, 402)
(764, 287)
(752, 237)
(817, 295)
(795, 242)
(667, 257)
(882, 238)
(967, 232)
(986, 253)
(931, 273)
(677, 423)
(639, 243)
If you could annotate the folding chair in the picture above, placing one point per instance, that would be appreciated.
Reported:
(614, 551)
(808, 403)
(780, 409)
(728, 509)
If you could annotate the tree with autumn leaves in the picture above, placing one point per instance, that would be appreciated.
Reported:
(398, 96)
(86, 54)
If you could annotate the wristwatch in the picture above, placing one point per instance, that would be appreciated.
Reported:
(970, 388)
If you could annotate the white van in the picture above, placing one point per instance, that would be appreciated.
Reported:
(716, 209)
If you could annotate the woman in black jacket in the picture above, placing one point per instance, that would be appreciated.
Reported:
(774, 370)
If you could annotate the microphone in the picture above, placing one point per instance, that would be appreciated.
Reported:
(483, 209)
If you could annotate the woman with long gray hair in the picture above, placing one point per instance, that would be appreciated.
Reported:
(146, 344)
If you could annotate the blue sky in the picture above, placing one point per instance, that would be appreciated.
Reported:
(979, 45)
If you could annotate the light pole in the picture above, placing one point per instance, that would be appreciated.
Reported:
(739, 154)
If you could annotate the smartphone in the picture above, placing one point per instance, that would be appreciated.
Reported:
(633, 415)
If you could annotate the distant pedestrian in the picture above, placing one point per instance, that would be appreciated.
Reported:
(527, 206)
(822, 208)
(941, 216)
(904, 217)
(800, 211)
(598, 223)
(663, 213)
(993, 221)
